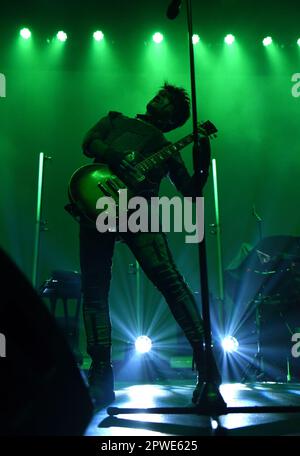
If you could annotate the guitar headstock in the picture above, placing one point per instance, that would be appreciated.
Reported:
(207, 129)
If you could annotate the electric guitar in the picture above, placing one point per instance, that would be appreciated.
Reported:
(91, 182)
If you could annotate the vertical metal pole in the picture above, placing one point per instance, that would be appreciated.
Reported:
(38, 220)
(288, 370)
(138, 297)
(210, 391)
(260, 365)
(219, 245)
(202, 258)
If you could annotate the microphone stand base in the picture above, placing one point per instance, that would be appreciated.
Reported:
(210, 400)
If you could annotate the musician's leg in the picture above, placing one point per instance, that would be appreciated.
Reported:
(155, 258)
(96, 251)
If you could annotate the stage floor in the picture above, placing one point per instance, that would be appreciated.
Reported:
(178, 394)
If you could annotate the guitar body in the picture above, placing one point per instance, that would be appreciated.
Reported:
(91, 182)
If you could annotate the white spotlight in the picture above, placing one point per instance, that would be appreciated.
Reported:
(143, 344)
(230, 344)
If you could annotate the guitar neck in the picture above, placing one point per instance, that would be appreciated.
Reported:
(163, 154)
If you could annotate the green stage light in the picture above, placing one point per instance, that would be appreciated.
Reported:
(62, 36)
(98, 36)
(229, 39)
(195, 39)
(157, 37)
(25, 33)
(298, 41)
(267, 41)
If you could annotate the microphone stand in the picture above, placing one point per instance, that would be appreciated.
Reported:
(211, 402)
(210, 395)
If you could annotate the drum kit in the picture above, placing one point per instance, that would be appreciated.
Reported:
(267, 281)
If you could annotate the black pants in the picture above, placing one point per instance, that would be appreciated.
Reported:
(153, 254)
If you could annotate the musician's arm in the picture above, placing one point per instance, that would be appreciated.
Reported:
(97, 133)
(94, 145)
(180, 176)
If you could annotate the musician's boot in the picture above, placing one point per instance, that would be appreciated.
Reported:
(101, 380)
(98, 332)
(199, 361)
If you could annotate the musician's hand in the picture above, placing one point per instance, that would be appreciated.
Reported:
(202, 132)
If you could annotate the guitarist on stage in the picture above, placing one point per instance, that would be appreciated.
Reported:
(109, 142)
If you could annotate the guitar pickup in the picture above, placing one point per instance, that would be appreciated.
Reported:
(103, 188)
(109, 187)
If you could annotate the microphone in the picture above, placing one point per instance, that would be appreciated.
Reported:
(173, 9)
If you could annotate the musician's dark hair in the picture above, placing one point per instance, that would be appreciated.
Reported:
(181, 102)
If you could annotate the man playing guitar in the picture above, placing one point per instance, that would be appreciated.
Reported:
(108, 142)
